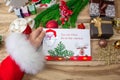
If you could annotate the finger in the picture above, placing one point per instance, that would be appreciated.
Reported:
(41, 37)
(36, 33)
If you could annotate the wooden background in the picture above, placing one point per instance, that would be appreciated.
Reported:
(66, 70)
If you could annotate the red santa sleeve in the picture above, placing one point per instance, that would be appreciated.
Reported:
(23, 57)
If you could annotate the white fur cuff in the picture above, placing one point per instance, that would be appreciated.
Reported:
(25, 55)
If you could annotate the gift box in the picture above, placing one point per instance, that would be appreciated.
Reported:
(32, 9)
(94, 7)
(101, 28)
(102, 8)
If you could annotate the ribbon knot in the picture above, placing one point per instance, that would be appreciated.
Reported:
(97, 23)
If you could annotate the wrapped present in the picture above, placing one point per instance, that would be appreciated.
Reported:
(94, 7)
(25, 11)
(32, 9)
(18, 13)
(101, 28)
(102, 8)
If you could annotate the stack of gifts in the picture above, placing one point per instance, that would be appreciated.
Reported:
(102, 13)
(25, 11)
(102, 8)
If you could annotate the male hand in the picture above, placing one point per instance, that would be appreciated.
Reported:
(36, 37)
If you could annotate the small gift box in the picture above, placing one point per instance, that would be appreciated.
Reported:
(94, 7)
(25, 11)
(32, 9)
(101, 28)
(102, 8)
(18, 13)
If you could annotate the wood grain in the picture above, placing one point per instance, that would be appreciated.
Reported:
(66, 70)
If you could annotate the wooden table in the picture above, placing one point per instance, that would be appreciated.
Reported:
(66, 70)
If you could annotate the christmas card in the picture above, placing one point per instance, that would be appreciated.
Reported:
(67, 45)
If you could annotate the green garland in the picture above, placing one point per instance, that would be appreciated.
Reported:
(53, 13)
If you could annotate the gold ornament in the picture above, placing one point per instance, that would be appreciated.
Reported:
(117, 44)
(116, 24)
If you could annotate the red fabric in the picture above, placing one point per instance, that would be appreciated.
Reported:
(28, 30)
(9, 70)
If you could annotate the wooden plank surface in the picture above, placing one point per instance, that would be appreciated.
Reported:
(90, 70)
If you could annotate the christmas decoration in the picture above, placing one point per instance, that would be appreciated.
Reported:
(53, 13)
(116, 24)
(44, 3)
(109, 54)
(60, 51)
(101, 28)
(32, 9)
(52, 24)
(64, 12)
(18, 12)
(25, 11)
(102, 43)
(81, 26)
(117, 44)
(16, 4)
(104, 8)
(27, 7)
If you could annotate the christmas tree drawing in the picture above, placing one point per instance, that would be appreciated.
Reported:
(61, 51)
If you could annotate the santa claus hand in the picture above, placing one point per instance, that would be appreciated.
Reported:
(36, 37)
